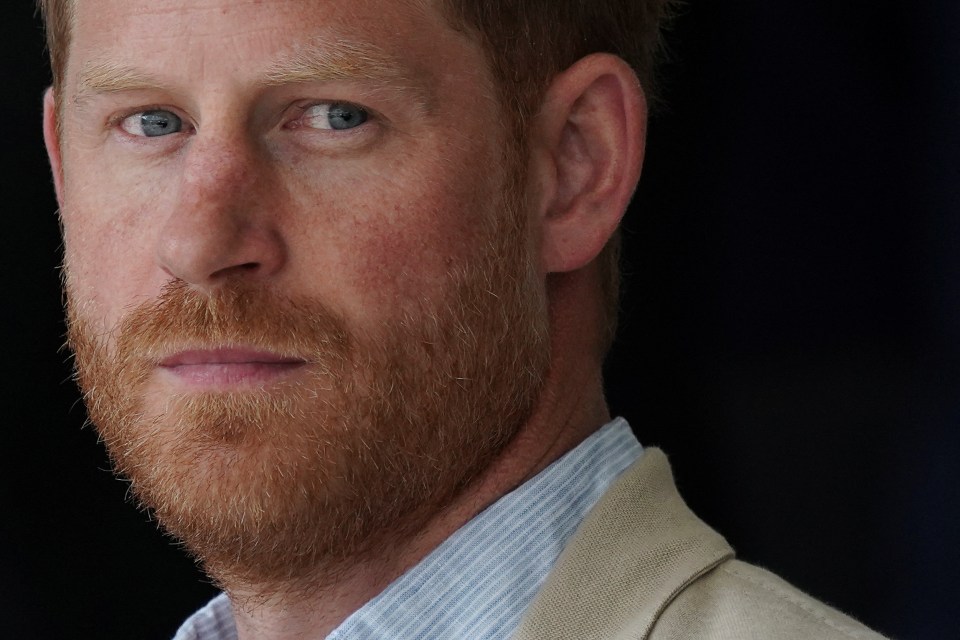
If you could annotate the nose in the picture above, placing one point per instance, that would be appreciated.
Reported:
(223, 224)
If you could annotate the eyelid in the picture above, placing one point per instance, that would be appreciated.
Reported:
(115, 121)
(302, 106)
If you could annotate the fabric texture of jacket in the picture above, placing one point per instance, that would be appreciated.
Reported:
(643, 566)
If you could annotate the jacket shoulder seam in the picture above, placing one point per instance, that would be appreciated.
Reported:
(801, 602)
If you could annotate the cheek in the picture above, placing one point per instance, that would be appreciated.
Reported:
(108, 255)
(97, 275)
(407, 253)
(396, 235)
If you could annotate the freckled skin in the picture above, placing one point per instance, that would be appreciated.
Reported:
(363, 225)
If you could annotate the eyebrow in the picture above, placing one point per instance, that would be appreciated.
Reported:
(344, 60)
(316, 62)
(110, 77)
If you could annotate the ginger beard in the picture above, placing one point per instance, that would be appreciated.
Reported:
(281, 486)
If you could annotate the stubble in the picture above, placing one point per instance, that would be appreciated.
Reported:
(297, 480)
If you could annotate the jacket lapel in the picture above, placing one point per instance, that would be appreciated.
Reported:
(638, 548)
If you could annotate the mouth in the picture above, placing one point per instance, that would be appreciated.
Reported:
(228, 367)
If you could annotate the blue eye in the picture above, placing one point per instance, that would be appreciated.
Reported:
(335, 115)
(152, 124)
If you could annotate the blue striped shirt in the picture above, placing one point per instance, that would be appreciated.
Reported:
(479, 581)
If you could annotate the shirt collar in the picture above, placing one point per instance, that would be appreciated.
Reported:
(479, 581)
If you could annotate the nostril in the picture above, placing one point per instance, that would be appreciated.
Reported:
(236, 269)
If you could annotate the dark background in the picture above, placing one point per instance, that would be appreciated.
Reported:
(791, 324)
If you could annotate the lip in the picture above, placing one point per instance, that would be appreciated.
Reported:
(229, 367)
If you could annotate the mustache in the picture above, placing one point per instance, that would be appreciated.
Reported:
(182, 318)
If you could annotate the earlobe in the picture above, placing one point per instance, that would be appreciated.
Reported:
(590, 133)
(51, 138)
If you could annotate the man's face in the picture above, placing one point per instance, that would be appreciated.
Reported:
(301, 286)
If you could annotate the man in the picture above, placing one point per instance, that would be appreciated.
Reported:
(340, 280)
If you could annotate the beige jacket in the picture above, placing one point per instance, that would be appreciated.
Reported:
(642, 565)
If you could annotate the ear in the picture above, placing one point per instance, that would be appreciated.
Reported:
(588, 152)
(51, 139)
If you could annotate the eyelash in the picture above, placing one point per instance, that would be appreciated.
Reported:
(115, 122)
(303, 107)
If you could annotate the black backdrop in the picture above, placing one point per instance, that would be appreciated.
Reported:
(791, 324)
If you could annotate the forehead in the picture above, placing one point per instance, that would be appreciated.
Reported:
(199, 16)
(202, 37)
